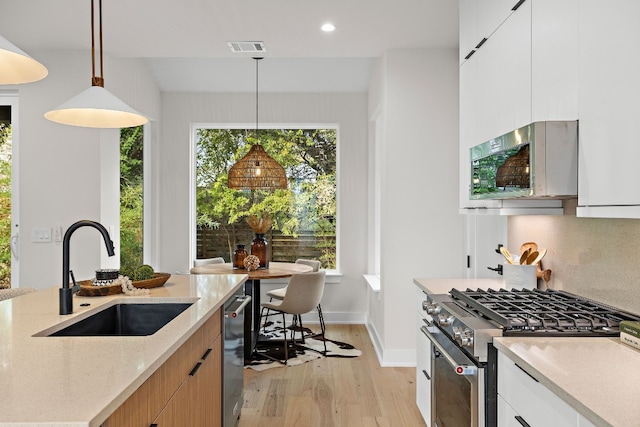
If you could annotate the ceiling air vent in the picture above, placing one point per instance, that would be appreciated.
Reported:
(241, 47)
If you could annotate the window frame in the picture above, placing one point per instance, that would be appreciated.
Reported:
(334, 275)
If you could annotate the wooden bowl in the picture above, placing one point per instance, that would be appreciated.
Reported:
(88, 289)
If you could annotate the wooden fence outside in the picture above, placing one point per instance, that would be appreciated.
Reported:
(213, 243)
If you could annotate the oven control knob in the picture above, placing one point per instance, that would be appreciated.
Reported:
(465, 337)
(445, 321)
(433, 308)
(457, 333)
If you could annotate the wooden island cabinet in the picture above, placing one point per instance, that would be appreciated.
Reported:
(185, 390)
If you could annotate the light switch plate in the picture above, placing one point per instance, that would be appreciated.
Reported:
(41, 235)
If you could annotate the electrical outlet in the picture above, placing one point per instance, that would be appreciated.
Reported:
(41, 235)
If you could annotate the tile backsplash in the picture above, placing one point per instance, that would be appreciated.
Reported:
(592, 257)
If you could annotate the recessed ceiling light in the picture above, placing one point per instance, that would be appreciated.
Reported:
(328, 27)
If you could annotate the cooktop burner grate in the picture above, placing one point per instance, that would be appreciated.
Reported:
(546, 312)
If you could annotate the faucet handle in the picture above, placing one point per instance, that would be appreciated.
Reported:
(75, 287)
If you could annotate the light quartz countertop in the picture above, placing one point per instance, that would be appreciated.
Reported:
(443, 286)
(80, 381)
(598, 377)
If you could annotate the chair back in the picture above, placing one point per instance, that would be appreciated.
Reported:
(313, 263)
(205, 261)
(304, 292)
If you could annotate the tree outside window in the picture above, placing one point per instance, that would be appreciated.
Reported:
(303, 215)
(5, 205)
(131, 198)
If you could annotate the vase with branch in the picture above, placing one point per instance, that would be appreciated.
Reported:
(259, 245)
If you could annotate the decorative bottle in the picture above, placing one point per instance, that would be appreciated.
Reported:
(238, 256)
(260, 248)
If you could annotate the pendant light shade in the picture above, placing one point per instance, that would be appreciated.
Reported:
(17, 67)
(96, 107)
(257, 170)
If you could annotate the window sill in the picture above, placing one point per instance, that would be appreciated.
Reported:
(332, 277)
(373, 281)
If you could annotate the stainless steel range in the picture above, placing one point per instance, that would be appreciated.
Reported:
(460, 327)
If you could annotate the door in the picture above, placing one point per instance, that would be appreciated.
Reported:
(9, 233)
(483, 235)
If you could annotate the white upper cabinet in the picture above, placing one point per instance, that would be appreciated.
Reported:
(525, 71)
(468, 29)
(554, 60)
(478, 20)
(504, 77)
(609, 97)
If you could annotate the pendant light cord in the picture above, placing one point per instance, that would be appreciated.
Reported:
(96, 81)
(257, 61)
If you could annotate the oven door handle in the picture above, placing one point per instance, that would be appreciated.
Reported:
(458, 368)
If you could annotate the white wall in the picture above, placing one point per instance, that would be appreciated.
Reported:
(341, 302)
(60, 167)
(422, 232)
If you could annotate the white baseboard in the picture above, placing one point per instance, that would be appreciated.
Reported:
(390, 358)
(346, 318)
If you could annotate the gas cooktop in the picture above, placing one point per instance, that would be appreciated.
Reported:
(548, 312)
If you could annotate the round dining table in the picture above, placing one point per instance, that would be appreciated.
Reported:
(276, 270)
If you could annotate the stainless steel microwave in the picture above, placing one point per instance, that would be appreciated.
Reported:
(539, 160)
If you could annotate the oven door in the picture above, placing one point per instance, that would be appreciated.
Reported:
(458, 384)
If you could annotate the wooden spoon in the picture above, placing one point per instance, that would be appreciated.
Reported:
(506, 254)
(531, 258)
(533, 246)
(524, 256)
(544, 275)
(541, 253)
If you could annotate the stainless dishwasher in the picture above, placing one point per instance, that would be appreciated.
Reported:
(233, 358)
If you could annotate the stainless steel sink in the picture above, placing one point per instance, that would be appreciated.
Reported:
(137, 319)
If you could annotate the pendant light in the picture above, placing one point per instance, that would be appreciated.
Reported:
(96, 107)
(257, 170)
(17, 67)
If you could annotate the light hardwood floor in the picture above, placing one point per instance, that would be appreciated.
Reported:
(341, 392)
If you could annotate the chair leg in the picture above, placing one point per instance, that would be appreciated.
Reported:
(301, 328)
(286, 345)
(322, 328)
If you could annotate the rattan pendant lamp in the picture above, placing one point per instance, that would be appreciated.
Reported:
(96, 107)
(16, 67)
(257, 170)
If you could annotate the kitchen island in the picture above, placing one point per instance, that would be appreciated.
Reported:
(81, 381)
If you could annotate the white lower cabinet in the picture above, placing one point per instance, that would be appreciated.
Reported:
(523, 401)
(583, 422)
(423, 367)
(507, 416)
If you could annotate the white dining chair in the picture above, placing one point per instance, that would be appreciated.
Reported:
(205, 261)
(279, 293)
(304, 293)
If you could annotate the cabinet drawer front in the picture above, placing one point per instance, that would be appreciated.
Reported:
(530, 399)
(212, 327)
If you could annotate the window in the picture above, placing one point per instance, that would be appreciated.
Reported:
(303, 216)
(5, 196)
(131, 197)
